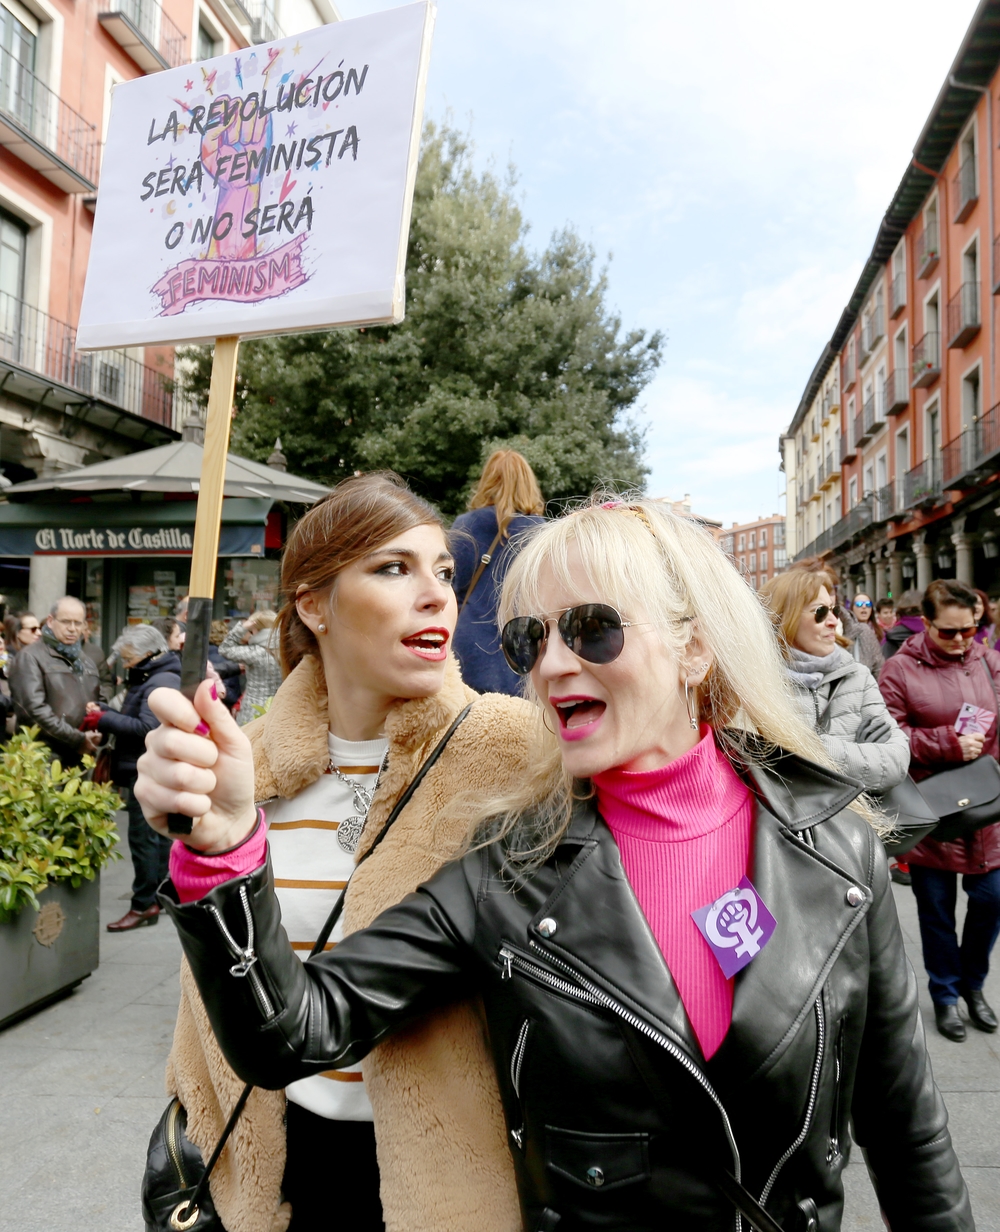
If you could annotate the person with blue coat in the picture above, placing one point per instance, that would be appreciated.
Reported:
(506, 504)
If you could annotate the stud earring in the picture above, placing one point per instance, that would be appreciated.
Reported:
(691, 700)
(321, 628)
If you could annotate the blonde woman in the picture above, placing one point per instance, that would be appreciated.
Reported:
(836, 694)
(683, 934)
(506, 505)
(253, 643)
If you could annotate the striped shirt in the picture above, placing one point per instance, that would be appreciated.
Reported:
(310, 872)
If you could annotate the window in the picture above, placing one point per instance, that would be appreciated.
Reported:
(207, 47)
(779, 534)
(763, 562)
(17, 66)
(899, 349)
(753, 539)
(743, 564)
(965, 181)
(780, 558)
(852, 491)
(869, 478)
(970, 398)
(932, 432)
(931, 315)
(743, 543)
(852, 436)
(763, 537)
(880, 392)
(753, 562)
(902, 451)
(837, 508)
(881, 471)
(13, 241)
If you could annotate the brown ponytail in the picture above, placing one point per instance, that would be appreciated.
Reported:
(358, 515)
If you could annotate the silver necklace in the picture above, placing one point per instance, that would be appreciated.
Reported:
(349, 831)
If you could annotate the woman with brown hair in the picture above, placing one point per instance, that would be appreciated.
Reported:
(837, 696)
(370, 688)
(506, 504)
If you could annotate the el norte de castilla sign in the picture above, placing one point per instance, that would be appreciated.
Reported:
(123, 541)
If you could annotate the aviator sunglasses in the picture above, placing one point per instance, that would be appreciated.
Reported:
(595, 632)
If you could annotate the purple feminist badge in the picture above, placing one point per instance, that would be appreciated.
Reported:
(736, 926)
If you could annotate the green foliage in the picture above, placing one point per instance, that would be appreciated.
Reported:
(499, 347)
(55, 824)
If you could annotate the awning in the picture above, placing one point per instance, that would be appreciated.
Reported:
(148, 528)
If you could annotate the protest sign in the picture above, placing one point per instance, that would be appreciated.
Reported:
(263, 191)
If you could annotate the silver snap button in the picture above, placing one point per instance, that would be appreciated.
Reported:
(855, 897)
(547, 927)
(595, 1176)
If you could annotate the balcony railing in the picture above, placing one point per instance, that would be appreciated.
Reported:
(963, 315)
(885, 502)
(43, 131)
(874, 413)
(966, 192)
(849, 371)
(926, 360)
(46, 346)
(897, 293)
(821, 474)
(143, 29)
(847, 451)
(812, 487)
(265, 28)
(928, 249)
(922, 485)
(974, 449)
(860, 436)
(872, 331)
(896, 392)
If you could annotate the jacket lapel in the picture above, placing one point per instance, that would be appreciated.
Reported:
(614, 947)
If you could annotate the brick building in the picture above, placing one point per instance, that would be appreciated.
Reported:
(892, 458)
(757, 548)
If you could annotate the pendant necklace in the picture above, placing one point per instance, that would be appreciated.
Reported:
(349, 831)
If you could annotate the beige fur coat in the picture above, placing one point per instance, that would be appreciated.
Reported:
(439, 1126)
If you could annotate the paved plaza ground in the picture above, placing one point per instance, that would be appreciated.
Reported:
(81, 1086)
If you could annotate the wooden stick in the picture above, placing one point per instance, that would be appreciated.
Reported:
(205, 552)
(204, 555)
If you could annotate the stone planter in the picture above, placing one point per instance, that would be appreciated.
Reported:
(45, 953)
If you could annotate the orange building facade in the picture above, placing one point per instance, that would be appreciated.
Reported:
(59, 62)
(757, 549)
(892, 459)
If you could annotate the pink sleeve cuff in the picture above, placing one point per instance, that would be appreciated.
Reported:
(194, 873)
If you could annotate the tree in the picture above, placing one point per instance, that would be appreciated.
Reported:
(499, 347)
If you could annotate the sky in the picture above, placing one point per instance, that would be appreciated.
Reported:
(729, 162)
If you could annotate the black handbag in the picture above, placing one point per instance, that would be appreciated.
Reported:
(967, 797)
(911, 816)
(175, 1190)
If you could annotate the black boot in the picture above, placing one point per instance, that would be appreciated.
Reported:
(980, 1013)
(949, 1024)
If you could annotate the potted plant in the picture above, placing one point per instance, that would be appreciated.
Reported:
(57, 831)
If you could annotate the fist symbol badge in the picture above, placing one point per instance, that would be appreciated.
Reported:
(736, 926)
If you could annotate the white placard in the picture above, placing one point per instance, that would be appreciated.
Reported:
(261, 192)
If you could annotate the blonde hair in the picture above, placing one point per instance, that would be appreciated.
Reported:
(647, 561)
(509, 484)
(786, 596)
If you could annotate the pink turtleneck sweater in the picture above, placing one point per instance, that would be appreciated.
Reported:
(684, 834)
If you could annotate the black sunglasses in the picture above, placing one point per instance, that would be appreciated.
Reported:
(823, 611)
(593, 631)
(948, 634)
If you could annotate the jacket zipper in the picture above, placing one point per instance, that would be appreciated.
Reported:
(245, 957)
(516, 1065)
(833, 1152)
(588, 992)
(172, 1137)
(810, 1106)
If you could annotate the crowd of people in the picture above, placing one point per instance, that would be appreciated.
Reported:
(618, 944)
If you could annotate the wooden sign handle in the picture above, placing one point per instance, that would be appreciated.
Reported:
(208, 519)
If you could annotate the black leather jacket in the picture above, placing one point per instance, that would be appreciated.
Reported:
(48, 694)
(616, 1121)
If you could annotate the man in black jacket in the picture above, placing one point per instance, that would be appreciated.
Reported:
(52, 681)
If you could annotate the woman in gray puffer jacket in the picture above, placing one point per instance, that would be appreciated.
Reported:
(838, 695)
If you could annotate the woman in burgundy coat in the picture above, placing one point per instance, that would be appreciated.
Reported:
(924, 686)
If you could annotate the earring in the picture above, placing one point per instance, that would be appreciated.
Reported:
(691, 700)
(321, 628)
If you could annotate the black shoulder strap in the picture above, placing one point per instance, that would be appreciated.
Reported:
(321, 941)
(484, 560)
(401, 804)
